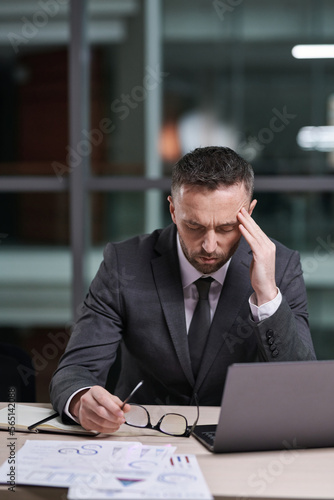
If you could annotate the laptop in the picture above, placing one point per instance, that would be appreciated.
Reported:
(274, 406)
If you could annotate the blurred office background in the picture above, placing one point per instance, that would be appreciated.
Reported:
(98, 99)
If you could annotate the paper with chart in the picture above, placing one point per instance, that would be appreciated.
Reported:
(180, 477)
(89, 462)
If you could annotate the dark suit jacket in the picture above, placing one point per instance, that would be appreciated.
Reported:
(136, 298)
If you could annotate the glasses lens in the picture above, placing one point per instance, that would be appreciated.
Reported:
(174, 424)
(137, 416)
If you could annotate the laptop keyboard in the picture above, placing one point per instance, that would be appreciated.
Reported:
(209, 436)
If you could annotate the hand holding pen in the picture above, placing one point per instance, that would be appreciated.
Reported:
(34, 426)
(98, 410)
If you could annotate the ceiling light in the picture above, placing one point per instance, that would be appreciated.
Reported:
(313, 51)
(316, 138)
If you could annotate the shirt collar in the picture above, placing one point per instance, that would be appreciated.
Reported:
(189, 274)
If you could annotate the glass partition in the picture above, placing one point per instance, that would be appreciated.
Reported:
(162, 77)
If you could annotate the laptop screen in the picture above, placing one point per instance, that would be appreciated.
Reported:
(282, 405)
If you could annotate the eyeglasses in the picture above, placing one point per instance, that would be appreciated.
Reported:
(172, 424)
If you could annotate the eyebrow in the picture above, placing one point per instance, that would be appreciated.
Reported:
(194, 223)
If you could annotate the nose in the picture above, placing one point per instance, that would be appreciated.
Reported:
(210, 242)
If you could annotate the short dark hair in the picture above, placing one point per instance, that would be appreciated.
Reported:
(212, 167)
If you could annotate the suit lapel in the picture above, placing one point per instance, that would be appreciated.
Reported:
(166, 272)
(235, 291)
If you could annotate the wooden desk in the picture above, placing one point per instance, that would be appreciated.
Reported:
(294, 474)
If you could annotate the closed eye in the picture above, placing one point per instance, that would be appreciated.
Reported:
(227, 228)
(194, 227)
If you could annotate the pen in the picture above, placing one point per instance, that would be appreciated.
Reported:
(132, 393)
(31, 427)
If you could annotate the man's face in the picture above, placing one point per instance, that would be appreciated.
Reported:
(207, 223)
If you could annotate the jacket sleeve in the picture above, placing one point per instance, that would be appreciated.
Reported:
(93, 344)
(285, 336)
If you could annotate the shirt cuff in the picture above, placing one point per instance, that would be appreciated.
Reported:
(266, 310)
(68, 402)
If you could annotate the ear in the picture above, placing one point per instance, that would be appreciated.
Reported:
(171, 208)
(252, 206)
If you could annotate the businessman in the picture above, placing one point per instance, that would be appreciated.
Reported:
(176, 333)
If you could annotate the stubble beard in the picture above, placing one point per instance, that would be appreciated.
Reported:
(203, 268)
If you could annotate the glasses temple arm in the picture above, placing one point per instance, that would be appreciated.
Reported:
(195, 423)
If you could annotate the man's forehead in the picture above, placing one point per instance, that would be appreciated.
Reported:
(218, 208)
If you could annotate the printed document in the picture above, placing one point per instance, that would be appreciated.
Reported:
(89, 462)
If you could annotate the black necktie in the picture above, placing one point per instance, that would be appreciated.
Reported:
(200, 323)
